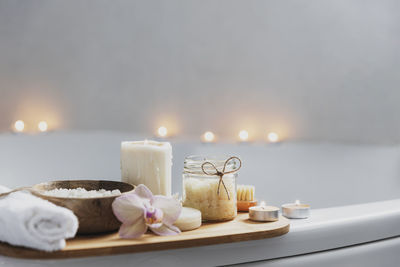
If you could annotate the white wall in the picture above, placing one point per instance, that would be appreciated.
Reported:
(309, 69)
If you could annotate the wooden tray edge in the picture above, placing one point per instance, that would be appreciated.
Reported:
(26, 253)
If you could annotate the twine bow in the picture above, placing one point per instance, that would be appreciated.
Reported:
(222, 173)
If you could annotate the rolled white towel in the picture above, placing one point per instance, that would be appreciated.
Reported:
(4, 189)
(29, 221)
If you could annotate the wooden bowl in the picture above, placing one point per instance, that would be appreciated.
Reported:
(95, 215)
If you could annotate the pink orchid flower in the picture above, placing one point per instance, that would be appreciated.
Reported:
(140, 210)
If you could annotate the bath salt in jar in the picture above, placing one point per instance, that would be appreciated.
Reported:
(209, 185)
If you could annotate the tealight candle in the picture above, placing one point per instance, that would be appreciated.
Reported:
(43, 126)
(19, 126)
(264, 213)
(243, 136)
(208, 137)
(296, 210)
(162, 132)
(189, 219)
(273, 137)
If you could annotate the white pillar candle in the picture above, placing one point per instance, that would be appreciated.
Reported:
(189, 219)
(149, 163)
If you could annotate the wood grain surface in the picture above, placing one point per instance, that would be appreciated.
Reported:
(95, 215)
(240, 229)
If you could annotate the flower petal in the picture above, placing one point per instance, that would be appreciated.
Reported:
(143, 192)
(134, 230)
(166, 230)
(128, 208)
(155, 225)
(171, 208)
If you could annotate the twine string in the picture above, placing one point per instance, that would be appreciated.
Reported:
(221, 173)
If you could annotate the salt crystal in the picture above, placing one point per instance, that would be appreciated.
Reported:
(81, 193)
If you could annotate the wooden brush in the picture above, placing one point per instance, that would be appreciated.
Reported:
(245, 197)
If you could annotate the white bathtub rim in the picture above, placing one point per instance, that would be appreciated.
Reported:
(326, 229)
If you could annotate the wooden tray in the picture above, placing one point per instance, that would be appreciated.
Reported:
(240, 229)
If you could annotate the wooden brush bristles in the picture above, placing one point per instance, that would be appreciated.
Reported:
(245, 197)
(245, 192)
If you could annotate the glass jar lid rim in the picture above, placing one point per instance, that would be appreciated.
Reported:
(193, 163)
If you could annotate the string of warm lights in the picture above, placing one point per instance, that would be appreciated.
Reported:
(209, 137)
(162, 132)
(19, 126)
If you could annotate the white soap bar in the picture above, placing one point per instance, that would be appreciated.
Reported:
(148, 163)
(189, 219)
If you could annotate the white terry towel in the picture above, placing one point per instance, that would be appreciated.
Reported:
(29, 221)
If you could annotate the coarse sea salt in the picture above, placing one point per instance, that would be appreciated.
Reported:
(81, 193)
(201, 193)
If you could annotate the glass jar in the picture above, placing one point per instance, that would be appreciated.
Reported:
(205, 192)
